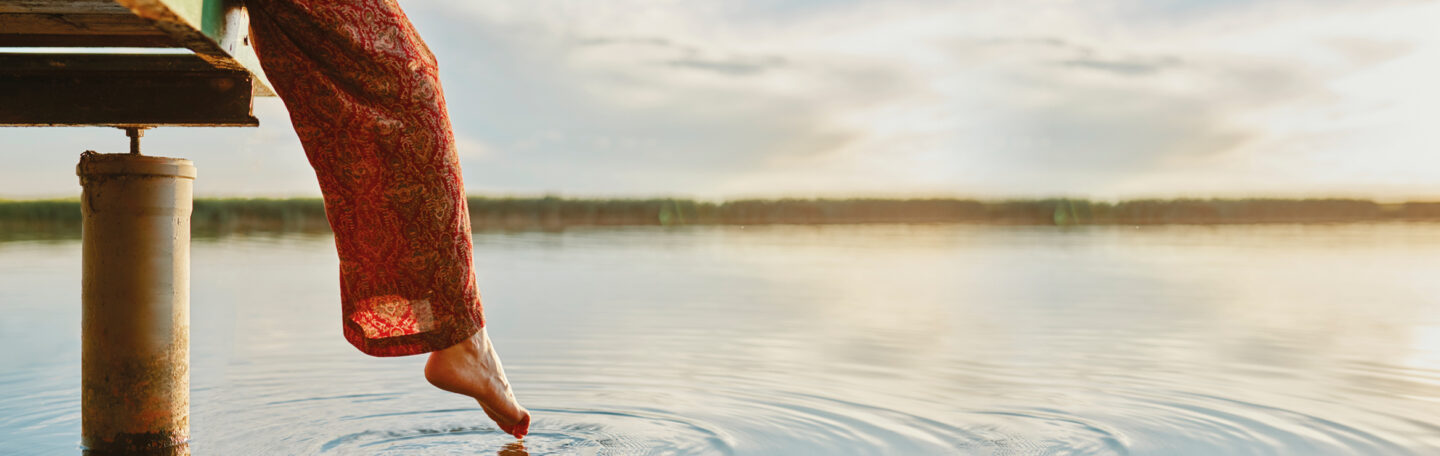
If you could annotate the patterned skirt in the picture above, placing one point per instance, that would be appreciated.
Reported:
(364, 96)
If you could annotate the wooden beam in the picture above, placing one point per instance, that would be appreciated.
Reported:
(26, 64)
(217, 30)
(62, 6)
(121, 90)
(75, 24)
(158, 40)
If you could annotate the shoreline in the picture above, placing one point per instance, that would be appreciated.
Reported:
(225, 215)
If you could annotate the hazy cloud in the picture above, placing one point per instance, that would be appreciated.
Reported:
(802, 97)
(732, 67)
(1133, 67)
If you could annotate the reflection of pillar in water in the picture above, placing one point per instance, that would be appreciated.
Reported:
(135, 329)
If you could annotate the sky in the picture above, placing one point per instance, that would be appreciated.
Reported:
(1106, 99)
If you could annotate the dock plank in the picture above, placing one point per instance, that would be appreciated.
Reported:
(122, 90)
(87, 41)
(63, 7)
(75, 24)
(217, 30)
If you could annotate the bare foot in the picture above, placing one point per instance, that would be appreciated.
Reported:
(473, 368)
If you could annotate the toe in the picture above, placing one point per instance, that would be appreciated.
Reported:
(521, 428)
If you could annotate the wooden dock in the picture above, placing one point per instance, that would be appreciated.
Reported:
(197, 68)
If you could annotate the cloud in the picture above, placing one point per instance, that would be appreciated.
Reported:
(802, 97)
(732, 67)
(1131, 67)
(688, 56)
(1036, 96)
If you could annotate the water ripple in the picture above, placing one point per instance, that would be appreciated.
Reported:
(834, 341)
(554, 431)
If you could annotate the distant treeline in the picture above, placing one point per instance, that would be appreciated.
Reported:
(62, 217)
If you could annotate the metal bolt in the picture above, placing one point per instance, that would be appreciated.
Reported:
(134, 133)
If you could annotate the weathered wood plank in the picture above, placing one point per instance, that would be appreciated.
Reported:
(63, 6)
(26, 64)
(217, 30)
(121, 90)
(158, 40)
(75, 24)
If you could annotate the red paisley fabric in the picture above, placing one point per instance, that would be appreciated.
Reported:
(364, 96)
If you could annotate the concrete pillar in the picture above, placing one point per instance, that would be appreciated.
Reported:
(135, 329)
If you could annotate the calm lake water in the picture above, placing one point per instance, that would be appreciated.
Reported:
(864, 340)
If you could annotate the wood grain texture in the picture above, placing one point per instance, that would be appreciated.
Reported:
(75, 24)
(121, 90)
(158, 40)
(62, 6)
(217, 30)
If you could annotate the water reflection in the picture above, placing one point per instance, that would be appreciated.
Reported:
(514, 449)
(809, 340)
(178, 450)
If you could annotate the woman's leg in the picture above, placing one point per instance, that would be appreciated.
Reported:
(364, 96)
